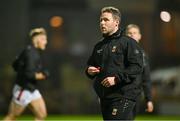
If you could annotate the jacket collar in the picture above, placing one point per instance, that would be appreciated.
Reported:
(118, 33)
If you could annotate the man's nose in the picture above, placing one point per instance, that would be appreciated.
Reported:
(102, 22)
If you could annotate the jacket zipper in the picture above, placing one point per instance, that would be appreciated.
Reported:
(103, 61)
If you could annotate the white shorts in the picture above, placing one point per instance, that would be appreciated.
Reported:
(23, 97)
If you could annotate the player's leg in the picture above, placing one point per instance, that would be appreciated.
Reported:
(15, 110)
(38, 107)
(17, 104)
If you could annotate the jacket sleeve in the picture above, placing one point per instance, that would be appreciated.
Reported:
(91, 62)
(133, 62)
(146, 81)
(30, 65)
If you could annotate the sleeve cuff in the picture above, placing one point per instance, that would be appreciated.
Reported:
(117, 79)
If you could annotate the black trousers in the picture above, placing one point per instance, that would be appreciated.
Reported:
(137, 106)
(121, 109)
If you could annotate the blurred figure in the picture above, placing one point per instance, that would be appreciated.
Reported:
(133, 31)
(29, 68)
(114, 65)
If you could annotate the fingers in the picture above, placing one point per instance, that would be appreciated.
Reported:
(149, 110)
(40, 76)
(105, 83)
(93, 70)
(108, 81)
(150, 107)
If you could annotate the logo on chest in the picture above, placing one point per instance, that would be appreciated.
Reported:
(114, 48)
(99, 51)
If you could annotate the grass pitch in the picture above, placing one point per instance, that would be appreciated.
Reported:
(97, 118)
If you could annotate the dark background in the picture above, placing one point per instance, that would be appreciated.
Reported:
(69, 91)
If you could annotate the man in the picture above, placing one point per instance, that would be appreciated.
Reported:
(29, 70)
(133, 31)
(114, 65)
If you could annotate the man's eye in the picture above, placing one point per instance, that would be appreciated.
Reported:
(104, 19)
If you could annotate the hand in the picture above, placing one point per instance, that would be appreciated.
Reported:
(93, 70)
(108, 81)
(40, 76)
(150, 107)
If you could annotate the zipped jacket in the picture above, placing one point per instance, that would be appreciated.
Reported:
(119, 56)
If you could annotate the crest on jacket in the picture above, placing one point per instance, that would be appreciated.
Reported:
(99, 50)
(114, 49)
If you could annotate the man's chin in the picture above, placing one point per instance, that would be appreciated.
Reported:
(43, 48)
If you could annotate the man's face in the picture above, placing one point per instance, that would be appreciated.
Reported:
(41, 41)
(108, 25)
(134, 33)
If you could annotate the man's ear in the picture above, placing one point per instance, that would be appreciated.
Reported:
(140, 36)
(117, 22)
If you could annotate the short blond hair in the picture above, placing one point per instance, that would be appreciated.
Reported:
(114, 11)
(37, 31)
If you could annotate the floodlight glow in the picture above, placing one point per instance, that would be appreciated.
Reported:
(56, 21)
(165, 16)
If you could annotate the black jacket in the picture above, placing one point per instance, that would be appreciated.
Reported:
(120, 56)
(26, 65)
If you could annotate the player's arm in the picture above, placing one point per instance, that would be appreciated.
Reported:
(31, 71)
(133, 62)
(146, 83)
(92, 70)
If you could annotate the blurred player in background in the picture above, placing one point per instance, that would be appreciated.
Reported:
(133, 31)
(30, 69)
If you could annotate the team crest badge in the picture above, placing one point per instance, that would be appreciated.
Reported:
(99, 51)
(114, 49)
(114, 111)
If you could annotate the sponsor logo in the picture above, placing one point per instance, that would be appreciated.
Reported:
(114, 111)
(99, 51)
(114, 49)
